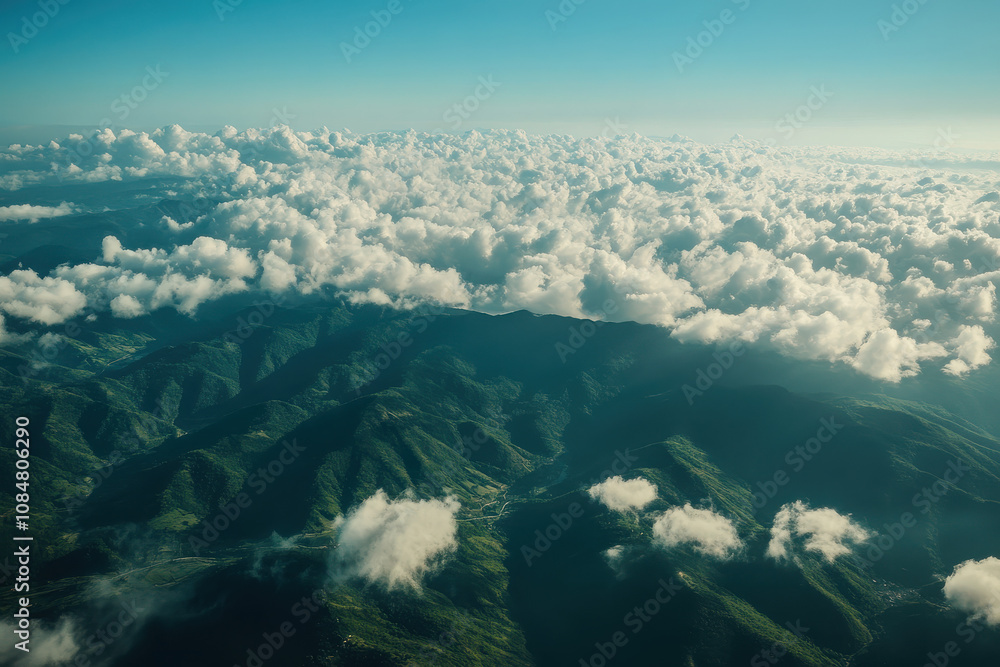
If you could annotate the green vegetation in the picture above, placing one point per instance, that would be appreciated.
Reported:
(143, 431)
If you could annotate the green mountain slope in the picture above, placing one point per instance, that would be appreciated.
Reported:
(146, 432)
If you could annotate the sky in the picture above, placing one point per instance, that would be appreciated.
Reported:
(855, 72)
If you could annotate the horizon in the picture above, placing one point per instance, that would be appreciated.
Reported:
(941, 140)
(791, 74)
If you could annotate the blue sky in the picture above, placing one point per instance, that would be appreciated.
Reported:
(588, 68)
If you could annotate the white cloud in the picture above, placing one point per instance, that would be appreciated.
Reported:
(613, 555)
(622, 496)
(971, 345)
(831, 254)
(824, 531)
(888, 356)
(707, 531)
(35, 213)
(395, 542)
(974, 588)
(175, 226)
(616, 557)
(45, 300)
(126, 306)
(50, 647)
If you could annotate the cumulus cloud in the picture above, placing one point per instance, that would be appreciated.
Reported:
(824, 531)
(623, 496)
(45, 300)
(706, 531)
(974, 588)
(971, 346)
(35, 213)
(888, 356)
(394, 543)
(831, 254)
(126, 307)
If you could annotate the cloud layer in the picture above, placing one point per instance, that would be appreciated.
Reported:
(623, 496)
(708, 532)
(883, 261)
(823, 531)
(394, 543)
(974, 588)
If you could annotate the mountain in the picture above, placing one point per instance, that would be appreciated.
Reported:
(200, 471)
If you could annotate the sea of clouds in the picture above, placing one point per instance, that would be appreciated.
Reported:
(883, 261)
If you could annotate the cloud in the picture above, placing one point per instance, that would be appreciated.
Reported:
(708, 532)
(840, 255)
(45, 300)
(622, 496)
(126, 307)
(8, 338)
(971, 346)
(825, 531)
(50, 646)
(974, 588)
(35, 213)
(395, 543)
(888, 356)
(616, 557)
